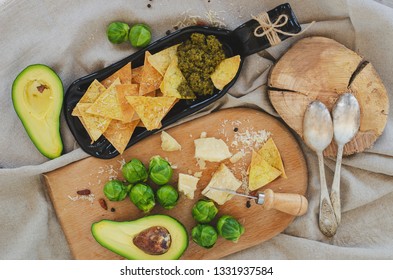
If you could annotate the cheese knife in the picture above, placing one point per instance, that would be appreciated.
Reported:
(290, 203)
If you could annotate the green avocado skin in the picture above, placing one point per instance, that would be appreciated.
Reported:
(118, 236)
(37, 97)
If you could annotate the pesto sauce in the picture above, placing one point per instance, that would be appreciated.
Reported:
(198, 58)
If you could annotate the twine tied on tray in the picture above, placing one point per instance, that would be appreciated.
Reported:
(271, 29)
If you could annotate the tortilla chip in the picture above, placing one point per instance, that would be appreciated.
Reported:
(161, 60)
(261, 172)
(151, 78)
(107, 104)
(93, 92)
(75, 112)
(119, 134)
(136, 75)
(271, 154)
(94, 125)
(172, 80)
(124, 74)
(123, 91)
(151, 110)
(225, 71)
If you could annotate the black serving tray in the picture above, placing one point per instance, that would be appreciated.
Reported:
(240, 41)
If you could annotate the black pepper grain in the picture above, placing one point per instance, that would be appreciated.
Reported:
(235, 129)
(248, 204)
(149, 5)
(168, 32)
(176, 27)
(113, 209)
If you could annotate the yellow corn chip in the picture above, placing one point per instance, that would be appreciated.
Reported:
(225, 72)
(93, 92)
(271, 154)
(123, 91)
(150, 79)
(75, 111)
(119, 134)
(161, 60)
(261, 172)
(107, 104)
(124, 74)
(137, 75)
(151, 110)
(172, 80)
(94, 125)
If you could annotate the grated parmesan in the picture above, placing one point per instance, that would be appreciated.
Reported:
(89, 197)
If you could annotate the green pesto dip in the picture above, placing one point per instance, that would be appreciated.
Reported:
(198, 58)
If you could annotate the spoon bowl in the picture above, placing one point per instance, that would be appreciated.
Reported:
(318, 134)
(346, 122)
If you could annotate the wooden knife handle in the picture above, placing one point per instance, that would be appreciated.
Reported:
(294, 204)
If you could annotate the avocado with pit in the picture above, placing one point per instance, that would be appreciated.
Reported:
(37, 95)
(154, 237)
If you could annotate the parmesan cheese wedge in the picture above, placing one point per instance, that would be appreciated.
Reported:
(187, 184)
(223, 178)
(168, 143)
(211, 149)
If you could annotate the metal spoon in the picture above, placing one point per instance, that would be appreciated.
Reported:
(318, 134)
(346, 122)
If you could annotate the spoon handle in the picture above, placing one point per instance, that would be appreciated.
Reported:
(335, 194)
(327, 220)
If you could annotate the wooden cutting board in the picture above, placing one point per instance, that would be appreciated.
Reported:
(236, 127)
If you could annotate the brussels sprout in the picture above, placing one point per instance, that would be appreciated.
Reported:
(117, 32)
(167, 196)
(142, 196)
(134, 171)
(115, 190)
(204, 235)
(229, 228)
(204, 211)
(140, 35)
(160, 171)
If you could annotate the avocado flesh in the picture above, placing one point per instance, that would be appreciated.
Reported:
(37, 95)
(118, 236)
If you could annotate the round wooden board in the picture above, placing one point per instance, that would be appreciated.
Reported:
(321, 68)
(76, 217)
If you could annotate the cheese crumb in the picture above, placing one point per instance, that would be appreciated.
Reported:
(201, 163)
(236, 157)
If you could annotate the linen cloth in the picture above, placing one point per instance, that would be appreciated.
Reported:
(70, 36)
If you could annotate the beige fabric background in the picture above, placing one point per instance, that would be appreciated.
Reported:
(70, 37)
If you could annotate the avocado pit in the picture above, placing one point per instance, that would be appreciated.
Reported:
(154, 240)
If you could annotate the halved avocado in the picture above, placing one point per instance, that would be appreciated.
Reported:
(37, 95)
(154, 237)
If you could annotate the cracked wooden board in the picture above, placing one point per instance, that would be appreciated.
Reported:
(321, 68)
(77, 216)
